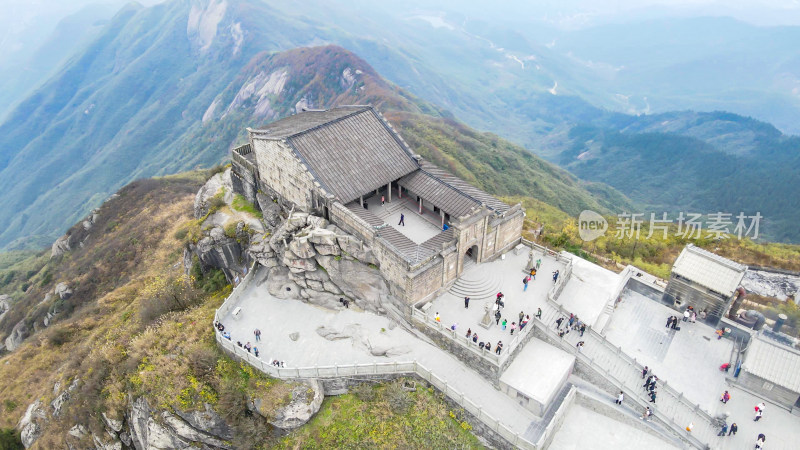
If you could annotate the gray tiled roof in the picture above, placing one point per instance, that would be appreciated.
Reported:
(709, 270)
(773, 362)
(349, 150)
(451, 194)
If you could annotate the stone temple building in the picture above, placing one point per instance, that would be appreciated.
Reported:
(705, 281)
(342, 162)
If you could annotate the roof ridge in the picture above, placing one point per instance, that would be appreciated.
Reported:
(455, 188)
(337, 120)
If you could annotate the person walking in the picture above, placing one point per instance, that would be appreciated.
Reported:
(759, 411)
(652, 396)
(725, 397)
(257, 333)
(488, 346)
(466, 302)
(469, 332)
(686, 314)
(583, 328)
(504, 324)
(513, 327)
(760, 441)
(724, 430)
(555, 276)
(437, 318)
(558, 322)
(646, 414)
(669, 321)
(499, 347)
(533, 274)
(402, 219)
(475, 338)
(525, 284)
(538, 263)
(383, 200)
(497, 316)
(620, 397)
(538, 313)
(579, 345)
(644, 371)
(733, 429)
(521, 316)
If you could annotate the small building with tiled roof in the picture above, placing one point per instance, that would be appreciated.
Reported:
(350, 166)
(705, 281)
(771, 369)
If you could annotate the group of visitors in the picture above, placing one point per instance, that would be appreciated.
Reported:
(484, 345)
(250, 348)
(573, 323)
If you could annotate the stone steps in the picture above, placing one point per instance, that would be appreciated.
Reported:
(476, 286)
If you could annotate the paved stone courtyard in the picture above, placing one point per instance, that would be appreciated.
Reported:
(418, 227)
(482, 282)
(689, 359)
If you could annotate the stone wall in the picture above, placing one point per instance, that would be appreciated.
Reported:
(778, 394)
(426, 281)
(284, 173)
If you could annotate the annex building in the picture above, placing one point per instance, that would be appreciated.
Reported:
(348, 165)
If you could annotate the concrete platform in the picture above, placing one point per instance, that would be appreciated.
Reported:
(588, 290)
(418, 227)
(537, 375)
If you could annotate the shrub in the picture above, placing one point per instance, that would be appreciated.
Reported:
(230, 229)
(396, 395)
(59, 336)
(166, 295)
(46, 279)
(10, 439)
(10, 405)
(364, 391)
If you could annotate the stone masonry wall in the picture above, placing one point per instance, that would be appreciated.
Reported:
(426, 282)
(281, 171)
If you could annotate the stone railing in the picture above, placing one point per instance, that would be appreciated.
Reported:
(558, 418)
(459, 337)
(410, 368)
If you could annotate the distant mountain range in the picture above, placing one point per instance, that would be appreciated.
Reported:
(174, 86)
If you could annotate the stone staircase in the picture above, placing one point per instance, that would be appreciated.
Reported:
(475, 284)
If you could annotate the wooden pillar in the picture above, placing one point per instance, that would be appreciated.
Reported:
(442, 214)
(389, 192)
(420, 205)
(361, 200)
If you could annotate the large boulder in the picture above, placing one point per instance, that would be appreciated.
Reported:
(299, 265)
(63, 290)
(280, 285)
(260, 250)
(5, 305)
(358, 281)
(202, 199)
(189, 435)
(218, 250)
(18, 334)
(323, 299)
(306, 399)
(270, 210)
(60, 246)
(302, 248)
(58, 403)
(209, 421)
(31, 424)
(357, 249)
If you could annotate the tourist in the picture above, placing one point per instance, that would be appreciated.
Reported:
(674, 323)
(469, 332)
(475, 338)
(497, 316)
(686, 314)
(724, 430)
(693, 317)
(561, 333)
(760, 441)
(437, 318)
(255, 351)
(525, 284)
(571, 319)
(538, 263)
(466, 302)
(725, 397)
(538, 313)
(555, 276)
(646, 414)
(239, 343)
(558, 321)
(646, 384)
(248, 347)
(620, 397)
(488, 346)
(533, 274)
(499, 347)
(500, 295)
(583, 328)
(644, 371)
(402, 220)
(521, 316)
(481, 345)
(257, 333)
(669, 321)
(504, 324)
(522, 324)
(226, 335)
(652, 396)
(759, 411)
(690, 427)
(579, 345)
(733, 429)
(720, 333)
(453, 326)
(513, 327)
(383, 200)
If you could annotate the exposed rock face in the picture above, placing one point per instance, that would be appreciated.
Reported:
(170, 431)
(63, 291)
(306, 400)
(5, 305)
(380, 346)
(358, 281)
(58, 403)
(75, 238)
(18, 334)
(60, 246)
(202, 200)
(31, 424)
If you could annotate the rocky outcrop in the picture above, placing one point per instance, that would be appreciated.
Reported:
(306, 399)
(32, 423)
(74, 237)
(202, 200)
(5, 305)
(361, 339)
(63, 290)
(18, 334)
(151, 430)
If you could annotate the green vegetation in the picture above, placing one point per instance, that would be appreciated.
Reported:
(384, 417)
(241, 204)
(10, 440)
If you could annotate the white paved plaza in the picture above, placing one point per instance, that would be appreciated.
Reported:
(418, 227)
(689, 359)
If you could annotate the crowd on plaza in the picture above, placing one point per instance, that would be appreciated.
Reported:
(247, 345)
